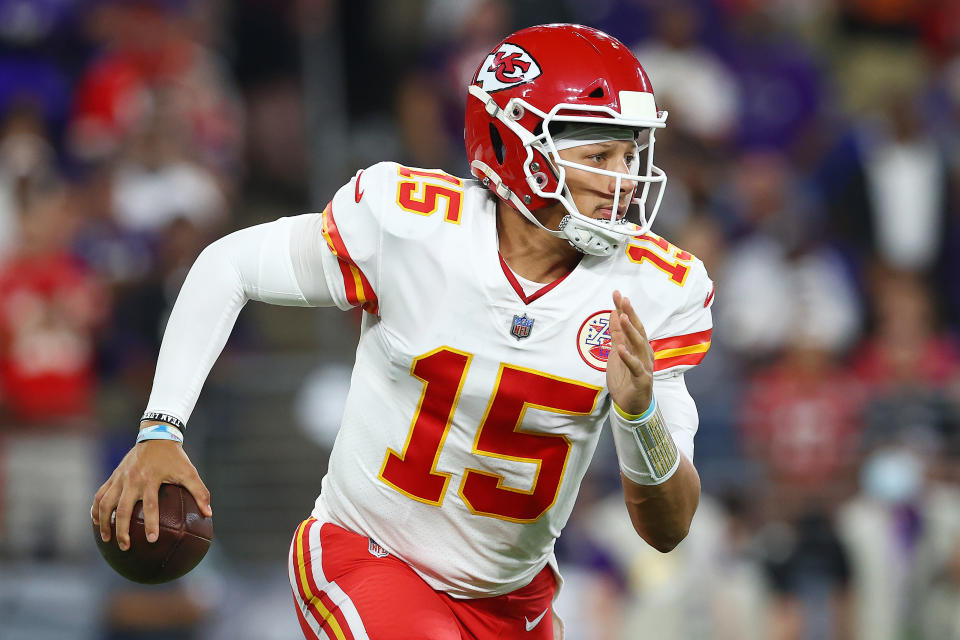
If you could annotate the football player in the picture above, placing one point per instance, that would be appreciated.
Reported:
(506, 318)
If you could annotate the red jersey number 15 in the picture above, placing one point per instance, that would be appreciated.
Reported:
(414, 473)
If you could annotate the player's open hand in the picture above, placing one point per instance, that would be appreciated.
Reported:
(138, 477)
(630, 365)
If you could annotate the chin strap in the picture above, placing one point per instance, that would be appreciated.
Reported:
(590, 240)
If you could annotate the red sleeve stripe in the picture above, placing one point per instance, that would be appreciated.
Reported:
(355, 283)
(688, 349)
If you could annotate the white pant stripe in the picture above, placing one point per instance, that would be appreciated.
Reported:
(291, 571)
(342, 600)
(332, 590)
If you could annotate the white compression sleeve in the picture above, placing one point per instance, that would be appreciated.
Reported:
(647, 451)
(679, 411)
(645, 448)
(277, 262)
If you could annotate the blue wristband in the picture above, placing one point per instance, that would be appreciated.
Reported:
(160, 432)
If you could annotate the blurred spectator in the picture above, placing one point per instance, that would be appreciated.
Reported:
(877, 52)
(120, 256)
(781, 282)
(742, 607)
(901, 532)
(467, 30)
(593, 606)
(717, 383)
(947, 127)
(801, 425)
(939, 600)
(151, 48)
(781, 85)
(901, 526)
(419, 109)
(25, 151)
(51, 307)
(690, 81)
(906, 180)
(801, 422)
(889, 187)
(909, 365)
(710, 586)
(268, 41)
(156, 183)
(34, 24)
(464, 32)
(174, 611)
(28, 81)
(809, 572)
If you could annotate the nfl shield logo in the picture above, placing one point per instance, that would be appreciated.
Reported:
(521, 326)
(376, 550)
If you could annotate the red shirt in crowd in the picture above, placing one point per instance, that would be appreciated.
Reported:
(49, 307)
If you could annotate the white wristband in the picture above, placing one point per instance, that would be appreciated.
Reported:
(646, 450)
(160, 432)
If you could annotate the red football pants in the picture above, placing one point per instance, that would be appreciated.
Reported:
(344, 588)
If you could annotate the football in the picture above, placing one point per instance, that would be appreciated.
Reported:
(185, 536)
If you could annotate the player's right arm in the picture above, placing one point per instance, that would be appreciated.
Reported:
(286, 262)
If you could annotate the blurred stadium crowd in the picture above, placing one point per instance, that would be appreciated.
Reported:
(813, 155)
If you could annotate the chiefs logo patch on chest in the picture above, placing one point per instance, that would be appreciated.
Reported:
(593, 340)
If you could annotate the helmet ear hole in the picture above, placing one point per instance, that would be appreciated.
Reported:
(498, 147)
(597, 89)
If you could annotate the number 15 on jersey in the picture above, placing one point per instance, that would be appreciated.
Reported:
(413, 471)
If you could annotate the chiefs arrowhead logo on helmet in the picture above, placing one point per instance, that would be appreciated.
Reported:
(508, 66)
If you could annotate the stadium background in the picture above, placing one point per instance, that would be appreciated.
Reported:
(813, 151)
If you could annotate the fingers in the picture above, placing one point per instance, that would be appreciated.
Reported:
(139, 477)
(614, 327)
(200, 493)
(151, 510)
(97, 497)
(626, 307)
(626, 327)
(106, 505)
(128, 498)
(634, 363)
(637, 340)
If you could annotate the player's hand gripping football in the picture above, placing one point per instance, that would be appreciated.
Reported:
(630, 364)
(138, 477)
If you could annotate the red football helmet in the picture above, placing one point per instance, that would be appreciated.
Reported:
(560, 73)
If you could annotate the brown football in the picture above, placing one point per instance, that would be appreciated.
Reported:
(185, 536)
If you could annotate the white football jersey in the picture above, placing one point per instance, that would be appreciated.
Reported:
(474, 409)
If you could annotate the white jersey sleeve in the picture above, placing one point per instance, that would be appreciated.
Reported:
(684, 346)
(684, 338)
(274, 262)
(352, 229)
(680, 334)
(373, 224)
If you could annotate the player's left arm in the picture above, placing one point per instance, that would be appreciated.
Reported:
(654, 421)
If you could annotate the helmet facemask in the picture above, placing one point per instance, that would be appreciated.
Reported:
(587, 234)
(598, 235)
